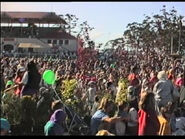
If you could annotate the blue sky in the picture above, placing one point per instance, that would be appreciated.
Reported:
(108, 18)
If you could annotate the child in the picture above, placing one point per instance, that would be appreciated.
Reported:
(164, 116)
(180, 123)
(95, 105)
(9, 82)
(122, 112)
(132, 127)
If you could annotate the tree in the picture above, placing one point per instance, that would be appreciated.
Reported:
(116, 43)
(156, 31)
(84, 34)
(133, 34)
(71, 21)
(79, 30)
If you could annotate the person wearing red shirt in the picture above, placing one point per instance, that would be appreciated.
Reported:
(132, 77)
(147, 117)
(18, 79)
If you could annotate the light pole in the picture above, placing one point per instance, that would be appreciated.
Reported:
(180, 30)
(171, 43)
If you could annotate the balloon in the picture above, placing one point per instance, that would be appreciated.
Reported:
(49, 77)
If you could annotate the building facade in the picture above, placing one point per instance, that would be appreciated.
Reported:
(34, 32)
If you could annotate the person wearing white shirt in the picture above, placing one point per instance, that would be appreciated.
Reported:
(180, 124)
(132, 126)
(91, 93)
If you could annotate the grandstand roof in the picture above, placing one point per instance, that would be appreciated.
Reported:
(31, 17)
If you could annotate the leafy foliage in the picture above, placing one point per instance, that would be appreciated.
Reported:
(156, 31)
(67, 93)
(11, 108)
(28, 107)
(122, 91)
(80, 30)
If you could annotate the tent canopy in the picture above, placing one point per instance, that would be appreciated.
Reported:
(29, 45)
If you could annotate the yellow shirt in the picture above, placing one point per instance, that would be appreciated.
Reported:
(164, 126)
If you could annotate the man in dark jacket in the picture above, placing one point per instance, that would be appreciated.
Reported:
(182, 95)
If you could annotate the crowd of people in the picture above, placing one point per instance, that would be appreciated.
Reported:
(154, 88)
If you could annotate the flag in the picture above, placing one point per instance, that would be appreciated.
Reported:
(80, 47)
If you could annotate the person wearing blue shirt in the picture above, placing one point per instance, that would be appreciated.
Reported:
(101, 115)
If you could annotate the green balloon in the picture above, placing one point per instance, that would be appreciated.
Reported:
(49, 77)
(112, 65)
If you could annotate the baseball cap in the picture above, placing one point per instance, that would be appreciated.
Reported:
(9, 83)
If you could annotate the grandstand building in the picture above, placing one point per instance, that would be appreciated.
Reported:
(35, 33)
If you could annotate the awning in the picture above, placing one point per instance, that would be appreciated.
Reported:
(29, 45)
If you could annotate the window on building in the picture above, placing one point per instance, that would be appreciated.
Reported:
(60, 42)
(30, 50)
(66, 42)
(54, 41)
(49, 41)
(8, 48)
(20, 50)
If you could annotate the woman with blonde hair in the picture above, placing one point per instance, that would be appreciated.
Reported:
(102, 115)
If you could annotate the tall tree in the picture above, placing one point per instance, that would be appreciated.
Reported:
(71, 21)
(79, 30)
(156, 31)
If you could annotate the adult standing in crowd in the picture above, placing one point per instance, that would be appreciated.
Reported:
(163, 90)
(102, 114)
(31, 80)
(54, 125)
(18, 79)
(148, 121)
